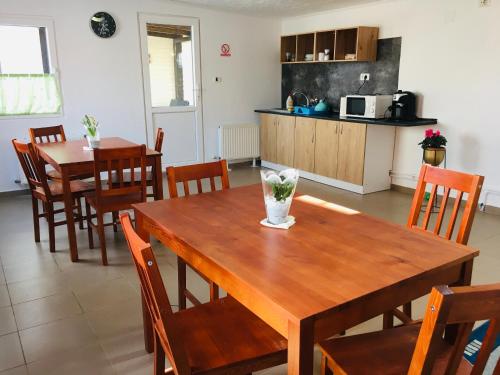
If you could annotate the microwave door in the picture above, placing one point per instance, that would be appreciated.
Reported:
(356, 107)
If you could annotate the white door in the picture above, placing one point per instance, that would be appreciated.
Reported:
(170, 51)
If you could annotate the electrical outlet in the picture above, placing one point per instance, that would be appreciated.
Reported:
(484, 3)
(364, 77)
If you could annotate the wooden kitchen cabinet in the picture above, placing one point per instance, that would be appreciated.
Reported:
(285, 140)
(305, 135)
(268, 129)
(351, 154)
(326, 148)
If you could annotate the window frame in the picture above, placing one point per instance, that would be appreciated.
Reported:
(48, 24)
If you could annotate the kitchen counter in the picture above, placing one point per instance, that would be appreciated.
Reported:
(336, 117)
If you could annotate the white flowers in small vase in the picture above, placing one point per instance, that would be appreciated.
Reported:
(278, 194)
(91, 126)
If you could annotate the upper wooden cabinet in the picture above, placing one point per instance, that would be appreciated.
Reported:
(268, 128)
(305, 137)
(349, 44)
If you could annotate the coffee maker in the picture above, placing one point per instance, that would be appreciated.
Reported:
(403, 106)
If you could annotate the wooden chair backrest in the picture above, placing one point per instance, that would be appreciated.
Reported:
(119, 161)
(159, 139)
(48, 134)
(461, 306)
(197, 172)
(31, 165)
(462, 183)
(156, 297)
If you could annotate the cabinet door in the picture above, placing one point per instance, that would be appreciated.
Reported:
(268, 129)
(285, 140)
(305, 135)
(351, 156)
(327, 147)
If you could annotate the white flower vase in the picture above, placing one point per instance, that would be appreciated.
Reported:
(278, 189)
(94, 141)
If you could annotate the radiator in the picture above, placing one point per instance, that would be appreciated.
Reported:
(239, 141)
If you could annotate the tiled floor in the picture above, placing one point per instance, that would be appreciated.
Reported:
(58, 317)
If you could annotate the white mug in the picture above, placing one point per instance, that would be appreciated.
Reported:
(327, 57)
(321, 56)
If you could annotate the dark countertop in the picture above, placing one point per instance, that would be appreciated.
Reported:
(336, 117)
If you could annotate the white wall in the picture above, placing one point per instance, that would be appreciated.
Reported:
(104, 77)
(451, 57)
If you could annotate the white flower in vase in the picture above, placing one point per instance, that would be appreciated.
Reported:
(91, 126)
(278, 193)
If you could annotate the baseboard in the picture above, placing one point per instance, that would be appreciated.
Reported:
(403, 189)
(14, 193)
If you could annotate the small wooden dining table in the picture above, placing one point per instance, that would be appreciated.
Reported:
(70, 158)
(335, 268)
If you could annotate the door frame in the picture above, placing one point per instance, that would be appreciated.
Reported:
(194, 22)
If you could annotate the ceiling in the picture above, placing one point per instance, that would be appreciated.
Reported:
(277, 7)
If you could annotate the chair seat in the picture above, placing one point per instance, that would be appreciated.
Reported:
(387, 352)
(224, 334)
(77, 187)
(114, 203)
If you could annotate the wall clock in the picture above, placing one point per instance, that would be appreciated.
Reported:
(103, 24)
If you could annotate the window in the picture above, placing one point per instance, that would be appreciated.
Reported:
(170, 65)
(28, 80)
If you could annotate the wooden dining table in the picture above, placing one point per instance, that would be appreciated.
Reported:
(70, 158)
(334, 269)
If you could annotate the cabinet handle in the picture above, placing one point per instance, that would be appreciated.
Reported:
(336, 129)
(341, 128)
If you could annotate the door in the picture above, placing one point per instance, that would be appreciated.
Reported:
(327, 147)
(305, 134)
(172, 85)
(351, 156)
(268, 137)
(285, 136)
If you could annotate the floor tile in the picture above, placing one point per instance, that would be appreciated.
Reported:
(115, 320)
(45, 310)
(56, 338)
(4, 296)
(28, 290)
(11, 354)
(83, 361)
(108, 293)
(7, 321)
(21, 370)
(30, 270)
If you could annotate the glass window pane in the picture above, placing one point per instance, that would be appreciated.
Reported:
(20, 50)
(170, 65)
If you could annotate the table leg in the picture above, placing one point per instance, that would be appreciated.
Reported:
(300, 348)
(158, 185)
(146, 317)
(68, 209)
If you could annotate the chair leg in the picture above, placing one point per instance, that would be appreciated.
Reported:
(115, 221)
(88, 213)
(388, 320)
(181, 279)
(159, 361)
(407, 309)
(102, 238)
(49, 208)
(325, 370)
(36, 219)
(79, 211)
(214, 291)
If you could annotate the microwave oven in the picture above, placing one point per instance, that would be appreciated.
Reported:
(365, 106)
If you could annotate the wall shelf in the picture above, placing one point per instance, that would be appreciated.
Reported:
(348, 44)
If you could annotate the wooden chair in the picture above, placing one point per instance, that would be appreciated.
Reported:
(47, 193)
(449, 180)
(51, 134)
(197, 173)
(117, 196)
(219, 337)
(421, 348)
(150, 172)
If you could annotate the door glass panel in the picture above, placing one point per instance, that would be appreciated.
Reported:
(171, 65)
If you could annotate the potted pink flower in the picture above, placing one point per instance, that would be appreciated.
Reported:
(434, 147)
